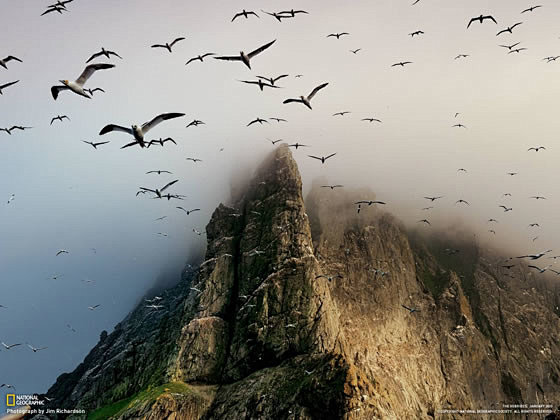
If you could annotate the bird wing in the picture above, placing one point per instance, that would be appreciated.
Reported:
(168, 185)
(11, 57)
(94, 56)
(502, 31)
(8, 84)
(314, 157)
(114, 127)
(229, 58)
(406, 307)
(329, 156)
(131, 144)
(317, 89)
(280, 77)
(287, 101)
(260, 49)
(171, 140)
(160, 118)
(491, 18)
(207, 54)
(100, 143)
(471, 21)
(158, 46)
(89, 70)
(236, 16)
(517, 24)
(191, 60)
(176, 40)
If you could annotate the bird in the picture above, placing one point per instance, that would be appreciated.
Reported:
(272, 80)
(105, 53)
(8, 386)
(195, 123)
(536, 256)
(481, 19)
(197, 232)
(511, 173)
(246, 58)
(413, 34)
(275, 141)
(509, 29)
(369, 202)
(540, 270)
(372, 120)
(459, 126)
(402, 63)
(509, 267)
(506, 195)
(461, 56)
(161, 142)
(187, 211)
(329, 278)
(462, 201)
(92, 308)
(34, 349)
(538, 197)
(245, 14)
(61, 251)
(9, 346)
(332, 187)
(428, 208)
(77, 86)
(5, 85)
(534, 225)
(492, 231)
(277, 16)
(342, 114)
(168, 46)
(278, 120)
(492, 220)
(199, 57)
(297, 145)
(92, 91)
(257, 120)
(424, 221)
(536, 149)
(432, 199)
(356, 51)
(59, 118)
(94, 145)
(306, 100)
(159, 172)
(509, 47)
(70, 328)
(322, 158)
(461, 170)
(139, 131)
(160, 218)
(530, 9)
(517, 50)
(260, 84)
(337, 35)
(411, 310)
(58, 9)
(194, 159)
(293, 12)
(8, 59)
(12, 197)
(158, 192)
(506, 209)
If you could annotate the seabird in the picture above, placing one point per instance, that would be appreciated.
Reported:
(369, 202)
(462, 201)
(139, 132)
(322, 158)
(158, 192)
(199, 58)
(536, 149)
(517, 50)
(9, 346)
(492, 220)
(306, 100)
(77, 86)
(293, 12)
(424, 221)
(195, 123)
(459, 126)
(530, 9)
(7, 59)
(536, 256)
(54, 9)
(512, 173)
(159, 172)
(168, 46)
(338, 35)
(509, 29)
(277, 16)
(297, 145)
(8, 386)
(509, 47)
(481, 19)
(274, 141)
(34, 349)
(105, 53)
(534, 225)
(332, 187)
(342, 114)
(4, 86)
(160, 218)
(62, 251)
(187, 211)
(432, 199)
(412, 34)
(260, 84)
(461, 56)
(355, 51)
(92, 308)
(506, 209)
(273, 80)
(411, 310)
(92, 91)
(371, 120)
(245, 14)
(461, 170)
(94, 145)
(257, 120)
(197, 232)
(12, 197)
(59, 118)
(246, 58)
(194, 159)
(161, 142)
(538, 197)
(402, 63)
(278, 120)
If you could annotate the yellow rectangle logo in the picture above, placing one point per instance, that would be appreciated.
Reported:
(11, 400)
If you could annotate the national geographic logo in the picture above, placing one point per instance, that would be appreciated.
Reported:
(11, 400)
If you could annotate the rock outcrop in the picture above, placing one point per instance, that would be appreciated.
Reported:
(293, 316)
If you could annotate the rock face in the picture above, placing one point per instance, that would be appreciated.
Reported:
(297, 317)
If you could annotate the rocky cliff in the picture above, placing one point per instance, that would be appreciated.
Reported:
(298, 314)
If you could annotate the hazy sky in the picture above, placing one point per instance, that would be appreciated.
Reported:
(70, 196)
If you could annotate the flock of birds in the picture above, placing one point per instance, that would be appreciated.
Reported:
(137, 134)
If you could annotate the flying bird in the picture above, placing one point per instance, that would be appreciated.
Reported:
(4, 86)
(371, 120)
(105, 53)
(188, 211)
(34, 349)
(332, 187)
(338, 35)
(517, 50)
(278, 120)
(257, 120)
(8, 59)
(413, 34)
(159, 172)
(462, 201)
(458, 126)
(277, 16)
(530, 9)
(461, 56)
(199, 58)
(59, 118)
(509, 47)
(77, 86)
(402, 63)
(92, 308)
(94, 145)
(506, 209)
(260, 84)
(481, 19)
(9, 346)
(509, 29)
(298, 145)
(424, 221)
(293, 13)
(195, 123)
(432, 199)
(245, 14)
(246, 58)
(322, 158)
(536, 149)
(158, 192)
(538, 197)
(58, 9)
(12, 197)
(411, 310)
(356, 51)
(273, 80)
(194, 159)
(161, 142)
(306, 100)
(92, 91)
(62, 251)
(369, 202)
(536, 256)
(139, 132)
(168, 46)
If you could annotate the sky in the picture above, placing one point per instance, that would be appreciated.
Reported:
(70, 196)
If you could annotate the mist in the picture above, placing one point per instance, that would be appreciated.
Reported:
(70, 196)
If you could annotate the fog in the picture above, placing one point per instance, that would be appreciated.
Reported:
(70, 196)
